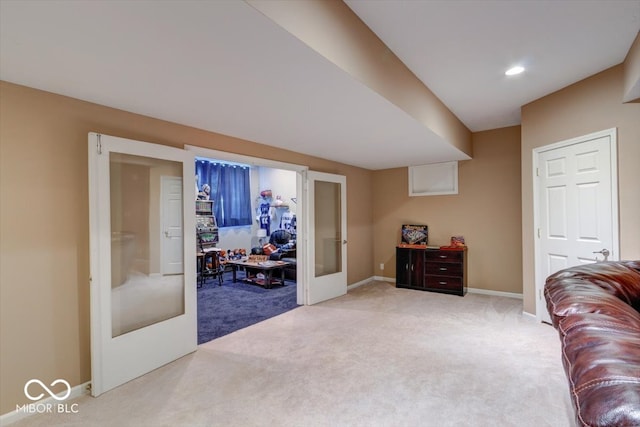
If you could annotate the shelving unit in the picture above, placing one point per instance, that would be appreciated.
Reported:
(206, 241)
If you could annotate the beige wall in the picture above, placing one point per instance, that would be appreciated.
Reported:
(591, 105)
(486, 212)
(44, 229)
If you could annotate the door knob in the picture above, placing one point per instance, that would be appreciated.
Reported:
(605, 252)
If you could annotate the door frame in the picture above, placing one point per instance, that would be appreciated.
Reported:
(615, 250)
(302, 224)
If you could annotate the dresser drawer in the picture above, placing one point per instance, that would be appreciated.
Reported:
(444, 256)
(443, 268)
(444, 283)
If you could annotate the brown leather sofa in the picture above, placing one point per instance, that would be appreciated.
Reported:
(595, 309)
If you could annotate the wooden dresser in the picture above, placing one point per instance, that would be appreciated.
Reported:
(435, 270)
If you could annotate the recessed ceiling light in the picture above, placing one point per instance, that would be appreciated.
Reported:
(514, 70)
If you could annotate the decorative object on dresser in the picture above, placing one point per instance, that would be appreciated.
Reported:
(432, 269)
(414, 234)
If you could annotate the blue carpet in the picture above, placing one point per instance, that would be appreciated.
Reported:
(232, 306)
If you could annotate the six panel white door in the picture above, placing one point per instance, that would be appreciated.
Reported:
(172, 242)
(576, 206)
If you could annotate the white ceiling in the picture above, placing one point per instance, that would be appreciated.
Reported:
(460, 49)
(222, 66)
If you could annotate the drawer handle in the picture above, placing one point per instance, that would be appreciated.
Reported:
(443, 269)
(443, 283)
(443, 256)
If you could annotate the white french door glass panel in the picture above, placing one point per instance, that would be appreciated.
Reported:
(143, 301)
(576, 206)
(327, 266)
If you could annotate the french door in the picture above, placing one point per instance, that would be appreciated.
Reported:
(143, 314)
(327, 236)
(576, 206)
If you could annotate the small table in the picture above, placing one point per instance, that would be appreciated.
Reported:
(267, 268)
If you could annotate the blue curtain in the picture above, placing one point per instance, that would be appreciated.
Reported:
(230, 191)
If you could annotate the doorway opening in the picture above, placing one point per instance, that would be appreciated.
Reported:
(239, 297)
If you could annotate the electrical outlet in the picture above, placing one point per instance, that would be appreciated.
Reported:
(381, 266)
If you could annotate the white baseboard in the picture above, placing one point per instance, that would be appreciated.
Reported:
(16, 415)
(384, 279)
(360, 283)
(470, 290)
(370, 280)
(494, 293)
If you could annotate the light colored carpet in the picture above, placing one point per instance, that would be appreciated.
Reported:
(379, 356)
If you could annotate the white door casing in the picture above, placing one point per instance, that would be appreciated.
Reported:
(326, 272)
(575, 206)
(139, 320)
(171, 214)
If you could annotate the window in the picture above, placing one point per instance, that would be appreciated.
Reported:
(230, 190)
(433, 179)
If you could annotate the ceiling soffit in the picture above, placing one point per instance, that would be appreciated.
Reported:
(334, 31)
(229, 68)
(632, 72)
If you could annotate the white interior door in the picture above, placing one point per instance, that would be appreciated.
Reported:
(140, 318)
(171, 237)
(326, 198)
(576, 206)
